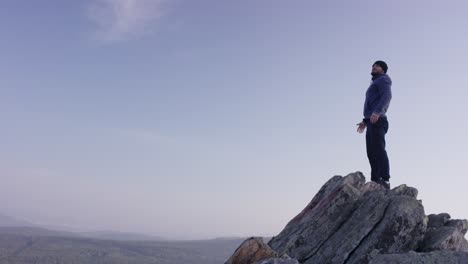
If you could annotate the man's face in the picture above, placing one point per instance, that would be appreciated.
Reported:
(376, 69)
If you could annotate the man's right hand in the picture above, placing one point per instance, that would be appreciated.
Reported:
(361, 127)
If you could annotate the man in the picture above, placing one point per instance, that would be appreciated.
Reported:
(378, 98)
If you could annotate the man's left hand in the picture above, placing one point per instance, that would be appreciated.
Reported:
(374, 118)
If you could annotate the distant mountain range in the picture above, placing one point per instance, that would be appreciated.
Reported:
(121, 236)
(23, 242)
(34, 231)
(29, 246)
(10, 221)
(10, 224)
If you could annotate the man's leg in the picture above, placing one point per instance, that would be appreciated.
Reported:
(371, 151)
(383, 171)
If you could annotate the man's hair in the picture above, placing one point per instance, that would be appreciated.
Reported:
(382, 64)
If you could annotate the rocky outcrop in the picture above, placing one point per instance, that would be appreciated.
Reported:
(329, 209)
(351, 221)
(445, 234)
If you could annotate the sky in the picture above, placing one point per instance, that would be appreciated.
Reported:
(202, 119)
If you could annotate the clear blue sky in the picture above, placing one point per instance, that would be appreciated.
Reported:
(198, 119)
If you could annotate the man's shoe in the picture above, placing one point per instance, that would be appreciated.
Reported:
(384, 183)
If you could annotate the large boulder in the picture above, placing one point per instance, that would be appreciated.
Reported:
(350, 221)
(400, 229)
(321, 218)
(445, 234)
(252, 250)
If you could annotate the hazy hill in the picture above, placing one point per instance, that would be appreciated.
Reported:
(23, 242)
(33, 231)
(43, 230)
(26, 249)
(10, 221)
(121, 236)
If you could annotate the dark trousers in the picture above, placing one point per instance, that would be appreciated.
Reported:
(375, 145)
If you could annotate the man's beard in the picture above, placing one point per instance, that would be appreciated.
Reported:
(374, 74)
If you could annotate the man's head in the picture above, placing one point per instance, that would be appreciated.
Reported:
(379, 67)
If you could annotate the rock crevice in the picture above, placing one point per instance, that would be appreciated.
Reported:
(367, 235)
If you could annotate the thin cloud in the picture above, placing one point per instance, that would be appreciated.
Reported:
(117, 20)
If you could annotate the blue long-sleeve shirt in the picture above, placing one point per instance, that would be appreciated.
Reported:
(378, 96)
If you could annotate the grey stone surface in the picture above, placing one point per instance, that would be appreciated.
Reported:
(445, 234)
(361, 222)
(401, 229)
(435, 257)
(461, 225)
(283, 260)
(351, 221)
(437, 220)
(321, 218)
(405, 190)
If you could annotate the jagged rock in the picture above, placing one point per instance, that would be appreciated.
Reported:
(461, 225)
(436, 221)
(445, 234)
(434, 257)
(400, 230)
(382, 222)
(362, 220)
(349, 221)
(405, 190)
(283, 260)
(370, 186)
(251, 250)
(324, 215)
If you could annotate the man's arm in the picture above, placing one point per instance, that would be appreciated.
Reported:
(385, 96)
(361, 127)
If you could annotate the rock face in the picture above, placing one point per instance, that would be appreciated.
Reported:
(283, 260)
(435, 257)
(351, 221)
(445, 234)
